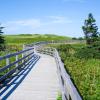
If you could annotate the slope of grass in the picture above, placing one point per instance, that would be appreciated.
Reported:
(86, 76)
(24, 39)
(85, 73)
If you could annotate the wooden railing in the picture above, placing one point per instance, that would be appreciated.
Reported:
(12, 63)
(68, 89)
(47, 51)
(24, 57)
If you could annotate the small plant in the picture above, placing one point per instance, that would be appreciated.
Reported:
(59, 97)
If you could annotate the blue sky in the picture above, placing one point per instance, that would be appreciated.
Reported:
(61, 17)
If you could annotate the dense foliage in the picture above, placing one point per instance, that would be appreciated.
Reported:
(84, 71)
(88, 52)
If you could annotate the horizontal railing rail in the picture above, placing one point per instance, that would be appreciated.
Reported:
(8, 66)
(15, 62)
(14, 54)
(55, 41)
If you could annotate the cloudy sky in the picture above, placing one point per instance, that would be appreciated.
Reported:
(62, 17)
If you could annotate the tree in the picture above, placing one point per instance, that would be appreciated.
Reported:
(2, 40)
(90, 29)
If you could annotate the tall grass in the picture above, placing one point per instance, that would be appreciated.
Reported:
(85, 73)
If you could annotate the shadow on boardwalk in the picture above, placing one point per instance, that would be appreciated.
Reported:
(12, 83)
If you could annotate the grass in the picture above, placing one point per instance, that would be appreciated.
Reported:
(26, 39)
(15, 43)
(59, 97)
(86, 76)
(85, 73)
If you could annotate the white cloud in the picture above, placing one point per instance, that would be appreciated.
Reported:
(59, 19)
(15, 25)
(29, 22)
(49, 23)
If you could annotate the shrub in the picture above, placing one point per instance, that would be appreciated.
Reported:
(96, 45)
(64, 51)
(88, 52)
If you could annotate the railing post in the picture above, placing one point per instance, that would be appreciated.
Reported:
(22, 57)
(7, 62)
(16, 60)
(23, 47)
(23, 53)
(17, 63)
(34, 49)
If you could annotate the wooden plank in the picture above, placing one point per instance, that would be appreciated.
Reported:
(41, 83)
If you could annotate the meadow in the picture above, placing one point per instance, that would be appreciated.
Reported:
(30, 38)
(15, 43)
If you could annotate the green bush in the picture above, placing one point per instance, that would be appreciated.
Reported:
(65, 51)
(96, 45)
(88, 52)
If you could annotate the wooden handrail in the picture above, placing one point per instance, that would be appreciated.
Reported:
(14, 54)
(8, 66)
(68, 89)
(17, 64)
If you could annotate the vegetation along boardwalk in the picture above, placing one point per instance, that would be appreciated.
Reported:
(41, 83)
(40, 75)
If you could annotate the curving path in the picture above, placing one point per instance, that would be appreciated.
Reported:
(41, 83)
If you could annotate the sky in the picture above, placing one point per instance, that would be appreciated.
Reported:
(61, 17)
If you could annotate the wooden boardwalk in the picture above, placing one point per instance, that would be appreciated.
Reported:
(41, 83)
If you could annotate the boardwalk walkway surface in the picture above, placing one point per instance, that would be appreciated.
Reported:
(40, 84)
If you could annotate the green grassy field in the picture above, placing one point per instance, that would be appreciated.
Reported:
(15, 42)
(26, 39)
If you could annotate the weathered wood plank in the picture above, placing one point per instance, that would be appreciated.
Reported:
(41, 83)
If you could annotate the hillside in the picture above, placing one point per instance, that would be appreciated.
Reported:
(30, 38)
